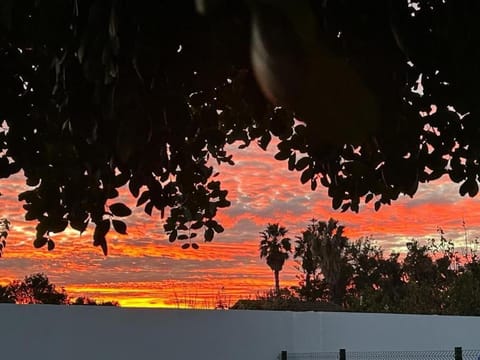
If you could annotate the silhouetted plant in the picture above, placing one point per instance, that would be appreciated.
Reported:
(4, 229)
(144, 94)
(274, 248)
(36, 289)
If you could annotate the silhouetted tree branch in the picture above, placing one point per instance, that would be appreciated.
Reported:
(100, 94)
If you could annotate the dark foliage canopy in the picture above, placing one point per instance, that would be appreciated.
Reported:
(37, 289)
(34, 289)
(335, 274)
(98, 94)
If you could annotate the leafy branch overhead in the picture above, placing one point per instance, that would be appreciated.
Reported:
(4, 229)
(97, 95)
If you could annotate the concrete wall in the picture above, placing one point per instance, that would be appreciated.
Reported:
(83, 332)
(89, 332)
(377, 332)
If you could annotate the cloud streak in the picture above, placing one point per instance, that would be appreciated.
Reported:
(144, 269)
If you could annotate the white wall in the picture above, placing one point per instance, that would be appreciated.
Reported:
(377, 332)
(89, 332)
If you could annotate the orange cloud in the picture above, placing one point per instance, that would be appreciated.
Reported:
(144, 269)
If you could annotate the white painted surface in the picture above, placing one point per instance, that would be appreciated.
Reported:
(376, 332)
(89, 332)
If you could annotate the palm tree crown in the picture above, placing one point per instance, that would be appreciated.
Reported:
(275, 247)
(328, 246)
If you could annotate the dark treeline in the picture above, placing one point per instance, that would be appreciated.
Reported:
(429, 278)
(37, 289)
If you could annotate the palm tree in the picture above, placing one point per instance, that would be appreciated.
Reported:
(328, 248)
(310, 287)
(274, 247)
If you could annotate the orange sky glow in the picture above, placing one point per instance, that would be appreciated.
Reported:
(144, 270)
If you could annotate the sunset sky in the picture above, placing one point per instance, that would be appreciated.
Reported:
(144, 269)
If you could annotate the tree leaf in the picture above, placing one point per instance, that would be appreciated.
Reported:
(302, 163)
(209, 235)
(223, 203)
(354, 205)
(337, 202)
(102, 227)
(196, 225)
(185, 246)
(470, 187)
(473, 190)
(265, 140)
(31, 181)
(50, 245)
(324, 181)
(143, 198)
(104, 247)
(218, 228)
(119, 209)
(79, 224)
(99, 239)
(149, 208)
(306, 175)
(120, 227)
(40, 242)
(464, 188)
(134, 187)
(291, 161)
(173, 236)
(282, 155)
(195, 246)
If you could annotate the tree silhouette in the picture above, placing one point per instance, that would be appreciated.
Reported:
(274, 248)
(35, 289)
(6, 295)
(463, 296)
(328, 248)
(100, 94)
(312, 286)
(92, 302)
